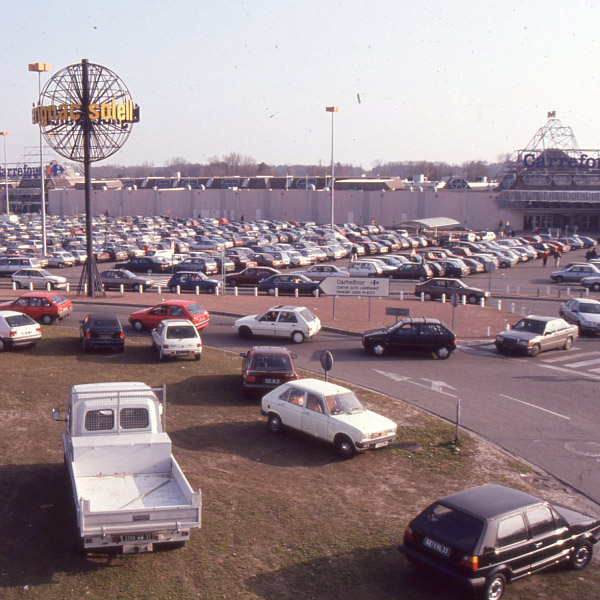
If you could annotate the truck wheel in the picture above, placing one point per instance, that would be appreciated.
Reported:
(46, 320)
(344, 446)
(494, 587)
(568, 343)
(581, 557)
(274, 423)
(137, 325)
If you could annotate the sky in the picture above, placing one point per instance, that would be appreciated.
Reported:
(442, 80)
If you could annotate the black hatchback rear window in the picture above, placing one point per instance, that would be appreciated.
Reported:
(456, 529)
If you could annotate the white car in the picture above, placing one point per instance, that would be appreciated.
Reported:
(177, 337)
(39, 278)
(18, 329)
(583, 312)
(60, 259)
(365, 268)
(321, 272)
(295, 322)
(328, 412)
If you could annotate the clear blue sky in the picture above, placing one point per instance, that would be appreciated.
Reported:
(442, 80)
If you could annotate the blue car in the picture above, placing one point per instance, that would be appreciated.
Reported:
(189, 281)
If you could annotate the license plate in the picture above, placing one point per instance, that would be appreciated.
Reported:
(436, 546)
(137, 537)
(272, 380)
(381, 444)
(182, 352)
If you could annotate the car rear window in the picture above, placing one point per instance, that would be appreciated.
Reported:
(19, 321)
(307, 315)
(57, 299)
(181, 332)
(106, 323)
(457, 529)
(194, 308)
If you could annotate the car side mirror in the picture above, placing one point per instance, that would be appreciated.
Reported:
(294, 356)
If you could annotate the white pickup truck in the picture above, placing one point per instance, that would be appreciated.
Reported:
(129, 491)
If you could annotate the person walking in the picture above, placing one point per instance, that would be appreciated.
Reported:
(557, 254)
(544, 257)
(353, 253)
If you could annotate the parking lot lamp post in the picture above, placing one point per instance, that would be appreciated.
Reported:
(4, 134)
(40, 68)
(332, 109)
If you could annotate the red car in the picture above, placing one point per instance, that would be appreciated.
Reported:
(45, 307)
(149, 318)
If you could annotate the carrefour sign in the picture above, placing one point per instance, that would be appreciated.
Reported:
(533, 160)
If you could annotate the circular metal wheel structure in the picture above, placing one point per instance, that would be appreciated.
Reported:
(62, 123)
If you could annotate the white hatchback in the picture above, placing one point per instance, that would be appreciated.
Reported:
(18, 329)
(329, 412)
(295, 322)
(177, 337)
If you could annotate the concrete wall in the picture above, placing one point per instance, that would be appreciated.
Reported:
(475, 209)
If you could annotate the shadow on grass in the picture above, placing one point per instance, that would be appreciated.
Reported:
(210, 390)
(379, 572)
(39, 529)
(253, 441)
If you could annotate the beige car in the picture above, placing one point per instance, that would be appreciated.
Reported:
(535, 334)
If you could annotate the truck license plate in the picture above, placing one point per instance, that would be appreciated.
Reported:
(136, 537)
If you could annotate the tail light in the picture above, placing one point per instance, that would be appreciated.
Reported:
(121, 335)
(470, 562)
(13, 333)
(250, 379)
(408, 535)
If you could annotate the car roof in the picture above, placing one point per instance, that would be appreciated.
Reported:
(10, 313)
(270, 350)
(103, 316)
(489, 501)
(286, 307)
(173, 302)
(318, 385)
(420, 320)
(177, 322)
(542, 318)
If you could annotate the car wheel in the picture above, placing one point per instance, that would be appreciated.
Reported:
(148, 271)
(472, 299)
(173, 289)
(211, 290)
(596, 287)
(315, 292)
(233, 282)
(297, 337)
(245, 332)
(581, 557)
(137, 325)
(274, 423)
(344, 446)
(197, 356)
(428, 296)
(61, 265)
(559, 279)
(568, 343)
(379, 349)
(271, 291)
(494, 587)
(443, 352)
(535, 350)
(1, 345)
(46, 320)
(19, 285)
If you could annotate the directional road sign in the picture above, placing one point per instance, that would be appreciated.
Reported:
(355, 286)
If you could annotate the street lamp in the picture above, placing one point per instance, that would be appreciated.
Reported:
(332, 109)
(40, 68)
(4, 134)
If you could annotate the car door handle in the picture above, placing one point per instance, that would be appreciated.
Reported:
(538, 544)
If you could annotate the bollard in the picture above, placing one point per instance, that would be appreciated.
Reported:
(559, 291)
(318, 293)
(140, 289)
(48, 286)
(68, 288)
(507, 327)
(121, 288)
(178, 290)
(31, 285)
(482, 302)
(235, 291)
(197, 290)
(507, 290)
(547, 290)
(463, 300)
(422, 296)
(487, 332)
(443, 298)
(568, 291)
(499, 304)
(158, 288)
(522, 311)
(512, 307)
(518, 290)
(256, 291)
(296, 293)
(217, 291)
(587, 292)
(14, 285)
(401, 295)
(276, 292)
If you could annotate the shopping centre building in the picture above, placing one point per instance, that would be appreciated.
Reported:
(551, 183)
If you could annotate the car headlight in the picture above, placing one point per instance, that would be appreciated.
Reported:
(499, 338)
(523, 343)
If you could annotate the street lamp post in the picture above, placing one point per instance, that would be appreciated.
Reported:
(332, 109)
(40, 68)
(4, 134)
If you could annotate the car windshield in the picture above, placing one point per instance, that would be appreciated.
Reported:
(457, 529)
(531, 325)
(181, 332)
(589, 308)
(346, 402)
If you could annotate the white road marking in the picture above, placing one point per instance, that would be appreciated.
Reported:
(571, 371)
(436, 386)
(584, 363)
(568, 356)
(535, 406)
